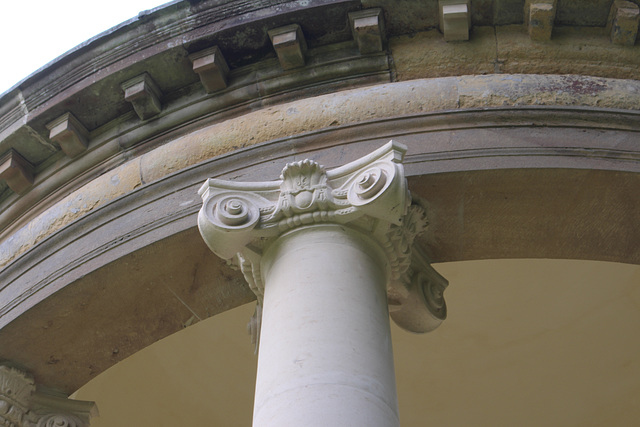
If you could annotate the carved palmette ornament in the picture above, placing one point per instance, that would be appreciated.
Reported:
(16, 388)
(239, 220)
(304, 188)
(22, 405)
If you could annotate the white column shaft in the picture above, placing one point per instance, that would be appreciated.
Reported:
(325, 356)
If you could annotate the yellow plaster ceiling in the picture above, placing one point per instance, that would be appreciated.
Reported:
(526, 343)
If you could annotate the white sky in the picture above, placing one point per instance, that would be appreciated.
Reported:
(35, 32)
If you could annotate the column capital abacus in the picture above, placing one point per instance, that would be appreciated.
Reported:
(240, 220)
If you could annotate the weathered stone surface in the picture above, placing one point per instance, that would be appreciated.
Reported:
(507, 12)
(455, 19)
(589, 214)
(583, 51)
(144, 94)
(581, 13)
(328, 111)
(508, 49)
(290, 46)
(67, 131)
(517, 90)
(415, 16)
(98, 192)
(367, 27)
(16, 172)
(539, 16)
(211, 67)
(623, 22)
(426, 54)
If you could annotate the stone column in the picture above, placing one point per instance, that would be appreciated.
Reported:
(325, 253)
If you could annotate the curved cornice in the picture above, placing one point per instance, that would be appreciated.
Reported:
(408, 111)
(87, 81)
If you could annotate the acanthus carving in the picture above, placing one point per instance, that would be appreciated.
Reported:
(22, 405)
(399, 242)
(16, 388)
(239, 220)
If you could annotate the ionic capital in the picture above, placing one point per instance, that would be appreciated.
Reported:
(240, 220)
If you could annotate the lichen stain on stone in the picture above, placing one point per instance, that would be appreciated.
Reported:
(578, 85)
(519, 90)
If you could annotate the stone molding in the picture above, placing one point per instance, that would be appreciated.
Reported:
(240, 220)
(22, 404)
(467, 157)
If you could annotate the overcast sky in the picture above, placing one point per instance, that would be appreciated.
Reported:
(35, 32)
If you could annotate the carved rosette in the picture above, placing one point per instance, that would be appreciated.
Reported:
(239, 220)
(58, 420)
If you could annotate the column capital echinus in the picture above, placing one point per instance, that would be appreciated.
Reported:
(239, 220)
(22, 404)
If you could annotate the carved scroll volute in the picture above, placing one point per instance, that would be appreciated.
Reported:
(229, 216)
(421, 306)
(375, 184)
